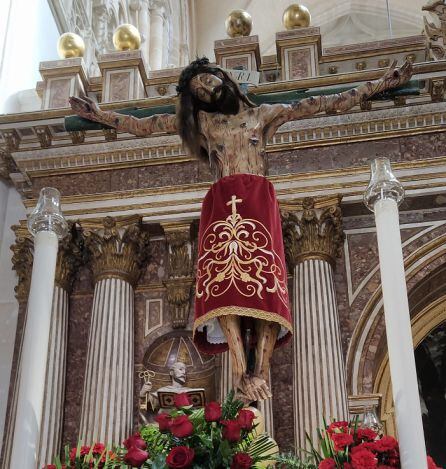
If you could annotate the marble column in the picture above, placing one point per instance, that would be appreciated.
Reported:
(157, 14)
(313, 238)
(69, 259)
(119, 250)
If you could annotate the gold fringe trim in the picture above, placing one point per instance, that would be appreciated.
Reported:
(242, 311)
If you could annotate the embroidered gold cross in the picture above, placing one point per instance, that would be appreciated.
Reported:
(233, 203)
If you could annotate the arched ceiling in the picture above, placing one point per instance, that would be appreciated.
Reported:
(342, 22)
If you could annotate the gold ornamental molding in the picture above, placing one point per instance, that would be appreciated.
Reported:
(313, 232)
(117, 250)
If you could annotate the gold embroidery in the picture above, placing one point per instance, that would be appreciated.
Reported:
(238, 253)
(242, 311)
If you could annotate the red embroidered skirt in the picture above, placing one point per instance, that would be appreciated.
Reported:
(241, 266)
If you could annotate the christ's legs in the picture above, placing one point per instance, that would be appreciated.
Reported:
(250, 388)
(267, 333)
(232, 330)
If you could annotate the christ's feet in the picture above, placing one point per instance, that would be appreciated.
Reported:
(252, 388)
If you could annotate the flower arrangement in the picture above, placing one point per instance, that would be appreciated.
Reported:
(216, 437)
(348, 446)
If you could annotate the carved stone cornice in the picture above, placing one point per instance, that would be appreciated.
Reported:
(117, 250)
(313, 231)
(70, 257)
(22, 262)
(180, 270)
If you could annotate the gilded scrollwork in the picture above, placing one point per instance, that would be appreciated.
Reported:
(313, 232)
(117, 250)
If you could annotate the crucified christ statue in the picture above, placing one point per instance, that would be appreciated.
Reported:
(241, 292)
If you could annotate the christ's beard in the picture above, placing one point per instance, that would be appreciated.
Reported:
(227, 103)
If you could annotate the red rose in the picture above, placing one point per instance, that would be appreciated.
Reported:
(341, 440)
(363, 459)
(50, 466)
(340, 426)
(231, 430)
(180, 457)
(181, 400)
(327, 463)
(241, 461)
(83, 452)
(181, 426)
(136, 441)
(212, 412)
(366, 434)
(136, 457)
(163, 420)
(386, 443)
(431, 464)
(98, 448)
(246, 418)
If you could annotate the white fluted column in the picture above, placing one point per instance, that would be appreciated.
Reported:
(107, 406)
(157, 14)
(319, 366)
(225, 375)
(266, 409)
(118, 254)
(312, 238)
(52, 418)
(46, 224)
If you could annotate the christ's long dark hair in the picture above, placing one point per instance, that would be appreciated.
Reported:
(188, 105)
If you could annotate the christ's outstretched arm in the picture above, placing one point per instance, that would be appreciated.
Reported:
(87, 108)
(277, 114)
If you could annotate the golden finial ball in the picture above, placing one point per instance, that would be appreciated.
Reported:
(126, 37)
(296, 16)
(70, 45)
(238, 23)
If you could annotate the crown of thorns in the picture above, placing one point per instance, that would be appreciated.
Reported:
(194, 68)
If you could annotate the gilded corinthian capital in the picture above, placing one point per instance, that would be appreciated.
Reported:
(22, 261)
(70, 256)
(313, 230)
(180, 271)
(117, 249)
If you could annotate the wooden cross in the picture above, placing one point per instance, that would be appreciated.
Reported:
(233, 203)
